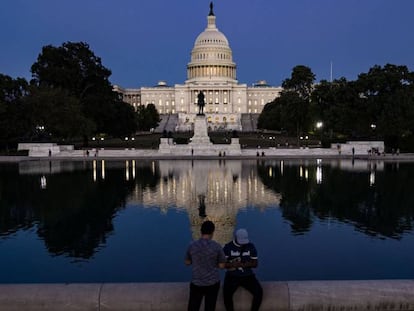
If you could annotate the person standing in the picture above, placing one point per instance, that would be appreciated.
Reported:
(206, 257)
(241, 256)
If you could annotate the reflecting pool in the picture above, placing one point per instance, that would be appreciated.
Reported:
(131, 221)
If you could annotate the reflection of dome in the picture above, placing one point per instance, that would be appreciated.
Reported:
(211, 57)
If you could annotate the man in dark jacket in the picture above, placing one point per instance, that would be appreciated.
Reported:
(241, 257)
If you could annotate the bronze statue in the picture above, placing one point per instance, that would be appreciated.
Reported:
(201, 103)
(211, 9)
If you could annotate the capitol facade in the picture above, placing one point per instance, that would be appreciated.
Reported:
(211, 70)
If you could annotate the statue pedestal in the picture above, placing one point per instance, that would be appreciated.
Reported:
(200, 137)
(200, 144)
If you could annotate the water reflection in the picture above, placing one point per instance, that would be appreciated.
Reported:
(214, 190)
(373, 196)
(73, 207)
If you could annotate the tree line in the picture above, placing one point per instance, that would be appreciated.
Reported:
(379, 104)
(69, 96)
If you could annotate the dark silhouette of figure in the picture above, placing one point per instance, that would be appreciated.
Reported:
(211, 9)
(201, 103)
(202, 206)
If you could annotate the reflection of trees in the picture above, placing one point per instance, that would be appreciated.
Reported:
(15, 212)
(385, 209)
(147, 174)
(295, 193)
(73, 214)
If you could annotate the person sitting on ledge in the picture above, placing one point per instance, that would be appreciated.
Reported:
(241, 256)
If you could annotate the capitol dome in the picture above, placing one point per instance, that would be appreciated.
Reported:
(211, 57)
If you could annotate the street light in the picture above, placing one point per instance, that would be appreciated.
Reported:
(319, 126)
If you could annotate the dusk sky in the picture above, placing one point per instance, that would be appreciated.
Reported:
(144, 41)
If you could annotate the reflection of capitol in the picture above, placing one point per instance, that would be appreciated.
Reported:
(214, 190)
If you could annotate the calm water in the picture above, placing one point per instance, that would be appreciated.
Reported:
(131, 221)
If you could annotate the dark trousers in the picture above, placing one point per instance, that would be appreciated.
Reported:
(250, 283)
(209, 293)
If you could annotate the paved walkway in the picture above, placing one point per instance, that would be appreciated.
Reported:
(122, 154)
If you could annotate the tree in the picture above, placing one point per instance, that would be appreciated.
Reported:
(300, 82)
(270, 118)
(14, 122)
(74, 68)
(388, 93)
(294, 112)
(58, 113)
(338, 105)
(148, 117)
(291, 110)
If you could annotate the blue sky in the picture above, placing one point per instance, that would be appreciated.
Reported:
(143, 41)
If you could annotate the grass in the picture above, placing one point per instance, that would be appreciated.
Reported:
(247, 140)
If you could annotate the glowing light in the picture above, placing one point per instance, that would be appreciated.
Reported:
(94, 170)
(43, 182)
(372, 178)
(103, 169)
(319, 175)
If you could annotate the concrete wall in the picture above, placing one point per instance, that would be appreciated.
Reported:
(295, 296)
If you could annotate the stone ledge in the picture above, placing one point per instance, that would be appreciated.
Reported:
(295, 296)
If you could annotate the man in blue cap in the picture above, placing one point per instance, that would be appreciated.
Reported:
(241, 256)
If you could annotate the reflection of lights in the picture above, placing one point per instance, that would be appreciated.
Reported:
(306, 173)
(318, 161)
(281, 167)
(103, 169)
(133, 169)
(127, 170)
(372, 178)
(43, 182)
(300, 171)
(94, 170)
(270, 172)
(319, 175)
(153, 167)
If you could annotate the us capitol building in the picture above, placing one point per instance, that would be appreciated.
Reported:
(229, 105)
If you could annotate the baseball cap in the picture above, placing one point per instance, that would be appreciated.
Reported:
(242, 237)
